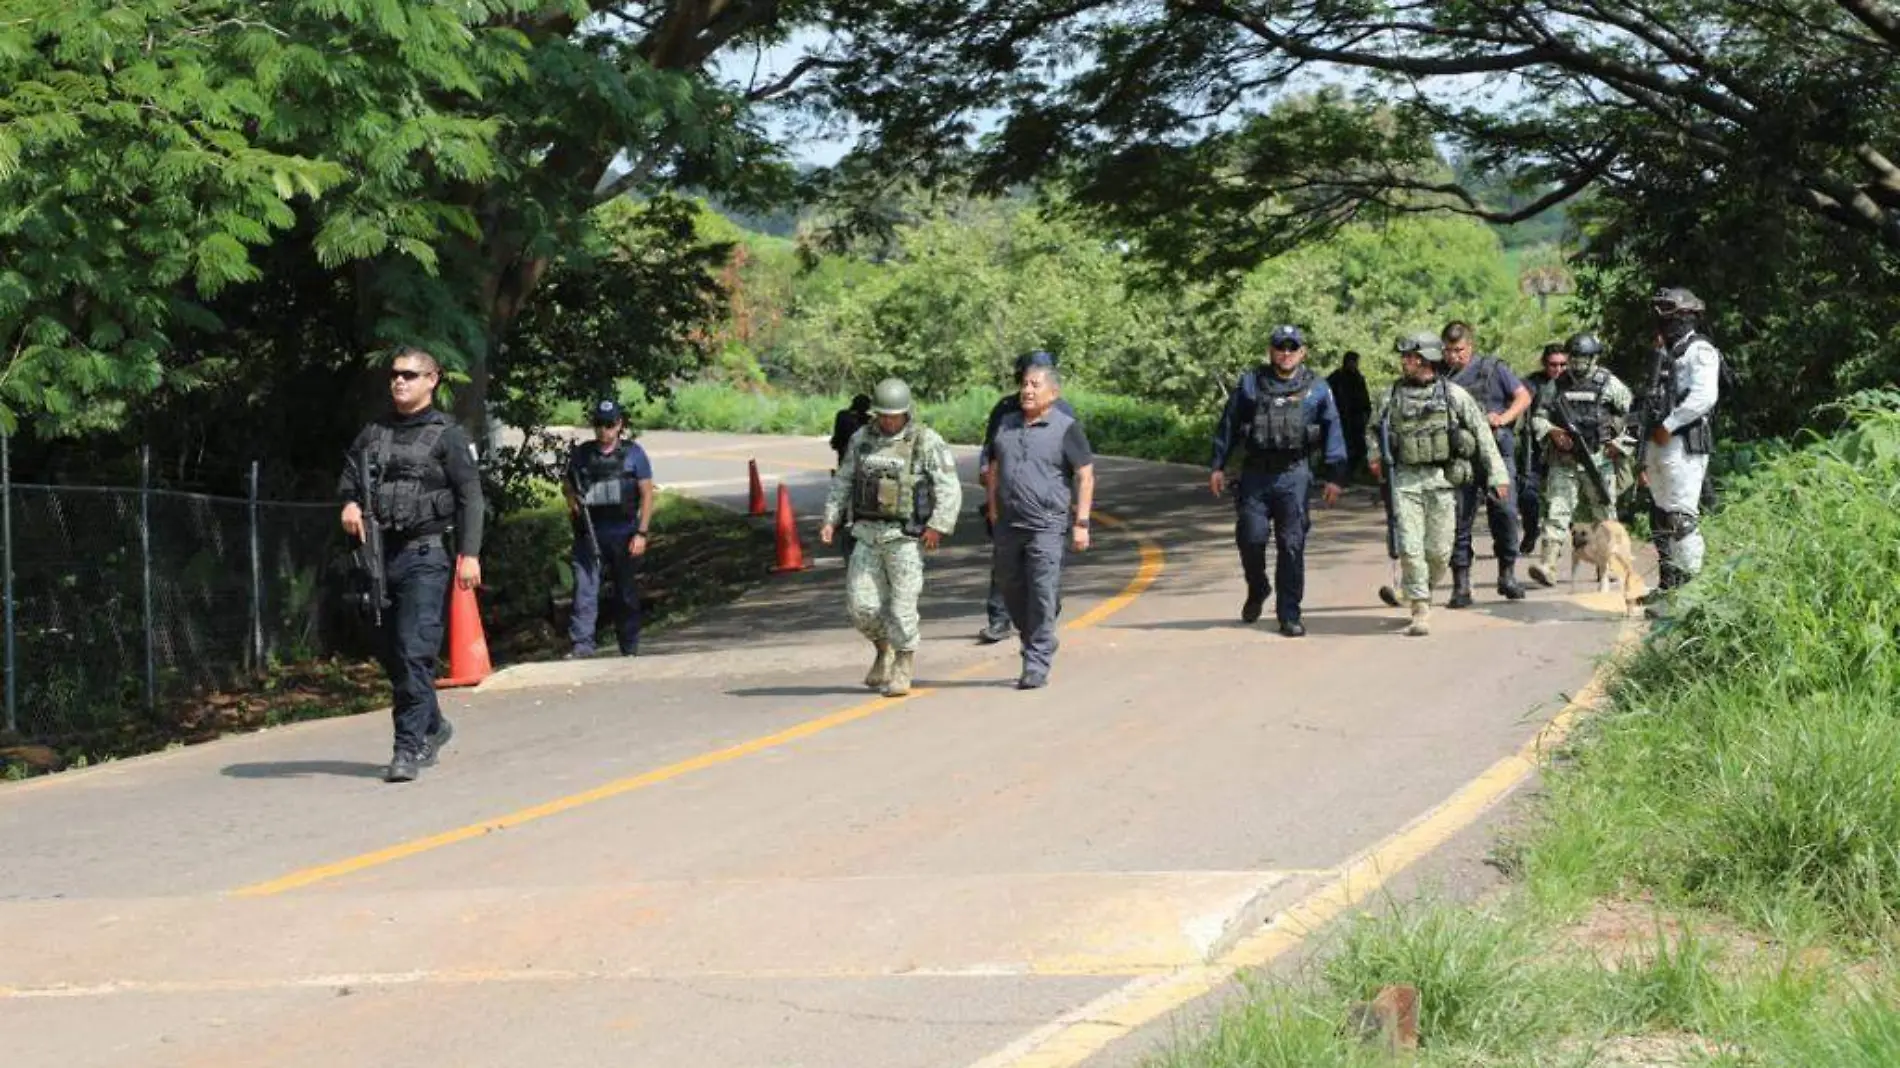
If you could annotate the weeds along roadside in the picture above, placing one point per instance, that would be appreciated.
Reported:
(1711, 874)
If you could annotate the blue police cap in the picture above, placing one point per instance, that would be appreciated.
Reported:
(607, 413)
(1288, 335)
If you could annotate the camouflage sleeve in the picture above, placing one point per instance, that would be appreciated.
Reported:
(1540, 410)
(1617, 396)
(946, 488)
(840, 492)
(1473, 419)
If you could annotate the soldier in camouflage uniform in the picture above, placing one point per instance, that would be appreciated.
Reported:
(897, 490)
(1599, 402)
(1433, 437)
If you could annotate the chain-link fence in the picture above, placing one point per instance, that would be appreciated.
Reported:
(122, 601)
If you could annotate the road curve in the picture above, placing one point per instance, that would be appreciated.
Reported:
(726, 853)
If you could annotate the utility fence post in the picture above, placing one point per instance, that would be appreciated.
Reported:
(6, 537)
(145, 567)
(257, 581)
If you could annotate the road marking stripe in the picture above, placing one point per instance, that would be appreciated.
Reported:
(1150, 567)
(1083, 1032)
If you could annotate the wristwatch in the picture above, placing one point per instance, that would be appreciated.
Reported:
(1082, 521)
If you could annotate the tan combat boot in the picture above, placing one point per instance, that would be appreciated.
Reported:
(1543, 570)
(880, 673)
(1421, 624)
(899, 683)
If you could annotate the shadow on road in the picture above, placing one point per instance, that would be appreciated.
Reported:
(301, 769)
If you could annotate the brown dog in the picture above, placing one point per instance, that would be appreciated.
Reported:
(1606, 546)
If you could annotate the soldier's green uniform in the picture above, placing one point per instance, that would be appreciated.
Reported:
(1441, 440)
(1600, 403)
(890, 488)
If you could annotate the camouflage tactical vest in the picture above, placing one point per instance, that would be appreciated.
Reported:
(884, 488)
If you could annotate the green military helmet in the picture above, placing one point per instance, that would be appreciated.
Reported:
(891, 397)
(1428, 346)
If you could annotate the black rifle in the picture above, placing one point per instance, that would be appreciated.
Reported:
(1562, 418)
(586, 516)
(1389, 593)
(1385, 485)
(371, 589)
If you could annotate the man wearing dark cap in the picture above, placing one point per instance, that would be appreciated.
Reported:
(994, 608)
(1282, 413)
(609, 489)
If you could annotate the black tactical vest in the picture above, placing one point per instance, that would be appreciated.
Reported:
(1584, 401)
(1279, 415)
(1483, 378)
(412, 486)
(1698, 438)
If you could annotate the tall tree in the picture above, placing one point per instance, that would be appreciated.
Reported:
(1175, 117)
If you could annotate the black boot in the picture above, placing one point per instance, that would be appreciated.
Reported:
(1256, 599)
(1460, 588)
(1508, 586)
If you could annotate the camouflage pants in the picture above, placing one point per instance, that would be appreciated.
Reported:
(881, 585)
(1570, 498)
(1427, 519)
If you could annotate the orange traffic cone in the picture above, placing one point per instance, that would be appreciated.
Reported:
(791, 555)
(468, 646)
(758, 490)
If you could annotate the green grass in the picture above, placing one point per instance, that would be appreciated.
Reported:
(1745, 772)
(1117, 426)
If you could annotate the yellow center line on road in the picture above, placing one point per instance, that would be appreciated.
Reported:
(1145, 574)
(1087, 1030)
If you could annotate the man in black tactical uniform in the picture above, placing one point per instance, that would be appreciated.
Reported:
(1504, 399)
(423, 470)
(1531, 466)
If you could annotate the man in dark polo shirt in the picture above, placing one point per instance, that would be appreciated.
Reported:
(1041, 489)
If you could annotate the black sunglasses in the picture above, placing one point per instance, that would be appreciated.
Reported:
(406, 376)
(1286, 346)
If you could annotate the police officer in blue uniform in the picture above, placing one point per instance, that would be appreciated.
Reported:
(1281, 413)
(425, 477)
(1505, 399)
(609, 488)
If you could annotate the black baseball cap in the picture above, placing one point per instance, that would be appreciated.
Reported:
(607, 413)
(1285, 336)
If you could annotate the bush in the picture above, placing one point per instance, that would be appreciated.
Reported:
(1747, 761)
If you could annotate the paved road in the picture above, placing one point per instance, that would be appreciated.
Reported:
(727, 854)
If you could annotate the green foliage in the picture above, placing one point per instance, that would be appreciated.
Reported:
(966, 288)
(1474, 973)
(1747, 763)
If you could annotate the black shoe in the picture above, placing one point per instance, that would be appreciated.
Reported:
(402, 768)
(629, 650)
(1390, 596)
(1250, 609)
(1508, 587)
(578, 653)
(1032, 680)
(993, 634)
(1460, 589)
(1292, 629)
(433, 743)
